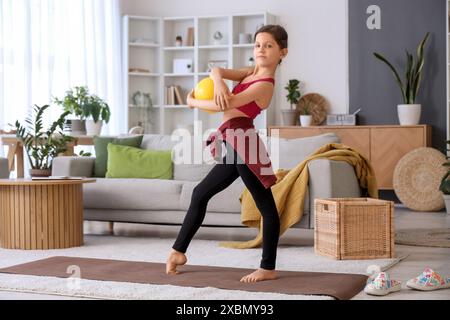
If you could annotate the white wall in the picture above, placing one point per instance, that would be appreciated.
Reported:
(318, 39)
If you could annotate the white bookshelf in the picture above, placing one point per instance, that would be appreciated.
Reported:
(156, 49)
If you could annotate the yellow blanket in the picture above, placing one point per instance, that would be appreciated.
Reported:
(290, 188)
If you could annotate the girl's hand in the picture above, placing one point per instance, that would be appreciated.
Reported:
(221, 94)
(190, 99)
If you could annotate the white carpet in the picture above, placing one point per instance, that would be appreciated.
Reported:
(201, 252)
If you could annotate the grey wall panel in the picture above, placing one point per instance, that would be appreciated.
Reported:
(372, 86)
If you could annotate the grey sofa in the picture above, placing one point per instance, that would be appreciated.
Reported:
(159, 201)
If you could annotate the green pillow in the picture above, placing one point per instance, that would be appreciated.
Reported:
(101, 150)
(130, 162)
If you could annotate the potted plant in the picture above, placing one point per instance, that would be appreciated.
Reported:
(305, 115)
(293, 96)
(42, 145)
(409, 111)
(89, 108)
(96, 111)
(75, 102)
(444, 187)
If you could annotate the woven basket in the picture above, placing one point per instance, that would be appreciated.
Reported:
(354, 228)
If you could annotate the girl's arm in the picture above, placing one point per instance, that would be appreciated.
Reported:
(231, 74)
(221, 90)
(260, 92)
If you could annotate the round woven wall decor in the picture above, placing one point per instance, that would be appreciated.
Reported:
(318, 107)
(417, 177)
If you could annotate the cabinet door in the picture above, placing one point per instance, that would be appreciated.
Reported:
(356, 138)
(388, 146)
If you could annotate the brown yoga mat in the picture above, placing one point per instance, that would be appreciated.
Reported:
(338, 285)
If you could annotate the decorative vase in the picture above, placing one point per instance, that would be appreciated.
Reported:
(40, 172)
(409, 114)
(289, 117)
(93, 128)
(78, 127)
(447, 202)
(305, 120)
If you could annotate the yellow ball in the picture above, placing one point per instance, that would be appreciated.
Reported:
(204, 90)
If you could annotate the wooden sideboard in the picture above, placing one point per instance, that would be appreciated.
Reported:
(382, 145)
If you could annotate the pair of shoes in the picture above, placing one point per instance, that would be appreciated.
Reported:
(428, 280)
(381, 283)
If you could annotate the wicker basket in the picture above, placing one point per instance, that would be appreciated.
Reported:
(354, 228)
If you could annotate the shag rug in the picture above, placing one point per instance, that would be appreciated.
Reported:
(201, 252)
(424, 237)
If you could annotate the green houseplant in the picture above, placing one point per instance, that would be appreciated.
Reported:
(305, 114)
(444, 187)
(42, 145)
(96, 111)
(409, 111)
(90, 110)
(293, 96)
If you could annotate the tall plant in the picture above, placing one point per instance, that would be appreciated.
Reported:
(294, 93)
(42, 145)
(413, 73)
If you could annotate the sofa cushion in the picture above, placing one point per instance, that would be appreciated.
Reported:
(129, 162)
(101, 150)
(294, 151)
(133, 194)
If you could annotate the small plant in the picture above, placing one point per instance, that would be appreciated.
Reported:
(79, 102)
(445, 182)
(97, 109)
(413, 72)
(305, 109)
(294, 94)
(42, 145)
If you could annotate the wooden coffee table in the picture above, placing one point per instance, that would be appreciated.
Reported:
(41, 214)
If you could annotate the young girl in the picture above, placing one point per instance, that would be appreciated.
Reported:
(252, 94)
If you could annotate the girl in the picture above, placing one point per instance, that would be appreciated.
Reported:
(252, 94)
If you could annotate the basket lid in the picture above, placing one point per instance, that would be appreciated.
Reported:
(417, 177)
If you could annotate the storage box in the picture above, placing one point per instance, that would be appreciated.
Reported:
(354, 228)
(182, 66)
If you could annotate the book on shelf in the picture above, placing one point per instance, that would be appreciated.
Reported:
(178, 95)
(190, 37)
(57, 178)
(173, 95)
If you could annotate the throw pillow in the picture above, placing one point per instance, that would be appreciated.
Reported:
(101, 150)
(130, 162)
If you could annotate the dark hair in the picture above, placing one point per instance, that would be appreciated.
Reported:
(278, 32)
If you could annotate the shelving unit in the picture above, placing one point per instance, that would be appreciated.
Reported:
(157, 49)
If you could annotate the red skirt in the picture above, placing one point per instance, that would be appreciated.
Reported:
(241, 135)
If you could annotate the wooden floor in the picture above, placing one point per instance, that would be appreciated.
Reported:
(418, 259)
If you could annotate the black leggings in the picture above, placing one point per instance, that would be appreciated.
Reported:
(219, 178)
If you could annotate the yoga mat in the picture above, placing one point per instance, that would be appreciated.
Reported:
(338, 285)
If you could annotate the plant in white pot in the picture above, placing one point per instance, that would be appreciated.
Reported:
(293, 96)
(409, 111)
(305, 115)
(96, 111)
(42, 145)
(444, 187)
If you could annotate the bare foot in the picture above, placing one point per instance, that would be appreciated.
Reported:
(260, 275)
(175, 259)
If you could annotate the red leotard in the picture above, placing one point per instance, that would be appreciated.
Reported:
(251, 109)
